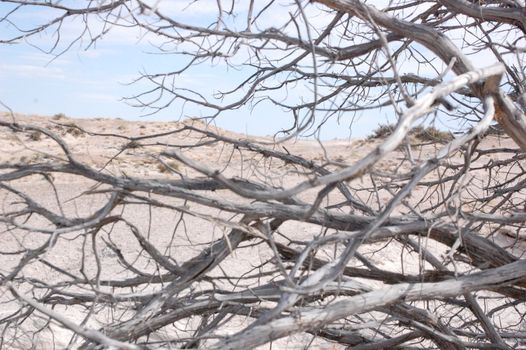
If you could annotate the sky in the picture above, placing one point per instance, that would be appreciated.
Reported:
(91, 81)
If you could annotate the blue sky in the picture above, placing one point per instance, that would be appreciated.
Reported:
(92, 82)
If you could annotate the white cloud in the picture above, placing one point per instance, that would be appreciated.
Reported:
(41, 59)
(32, 71)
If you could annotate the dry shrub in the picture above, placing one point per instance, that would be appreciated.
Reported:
(58, 116)
(339, 159)
(168, 166)
(132, 145)
(382, 131)
(495, 130)
(429, 133)
(74, 130)
(35, 136)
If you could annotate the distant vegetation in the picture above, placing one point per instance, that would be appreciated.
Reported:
(35, 136)
(429, 133)
(59, 116)
(382, 131)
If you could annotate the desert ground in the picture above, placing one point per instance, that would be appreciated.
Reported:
(179, 228)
